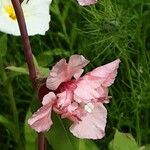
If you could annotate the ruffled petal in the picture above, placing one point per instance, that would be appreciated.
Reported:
(78, 74)
(86, 2)
(92, 125)
(63, 72)
(93, 85)
(64, 99)
(71, 112)
(41, 120)
(106, 73)
(57, 75)
(75, 65)
(86, 90)
(49, 98)
(103, 91)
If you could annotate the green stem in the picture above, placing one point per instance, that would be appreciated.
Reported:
(2, 71)
(134, 97)
(15, 114)
(130, 77)
(138, 128)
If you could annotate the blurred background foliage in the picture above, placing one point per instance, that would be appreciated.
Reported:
(103, 32)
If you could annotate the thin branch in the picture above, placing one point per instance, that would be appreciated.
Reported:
(28, 55)
(25, 40)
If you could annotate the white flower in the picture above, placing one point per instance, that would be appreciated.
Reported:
(36, 13)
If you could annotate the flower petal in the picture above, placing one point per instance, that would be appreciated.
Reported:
(40, 120)
(106, 73)
(89, 88)
(94, 84)
(57, 75)
(37, 18)
(64, 99)
(75, 65)
(86, 90)
(72, 112)
(49, 98)
(7, 24)
(78, 74)
(92, 125)
(63, 72)
(86, 2)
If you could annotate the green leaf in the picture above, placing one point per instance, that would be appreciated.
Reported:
(45, 58)
(61, 52)
(110, 146)
(35, 62)
(87, 145)
(8, 124)
(43, 72)
(30, 134)
(3, 45)
(59, 133)
(123, 141)
(20, 70)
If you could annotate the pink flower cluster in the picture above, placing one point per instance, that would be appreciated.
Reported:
(86, 2)
(78, 98)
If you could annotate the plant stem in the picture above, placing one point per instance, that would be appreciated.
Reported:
(3, 75)
(25, 40)
(41, 141)
(28, 54)
(15, 115)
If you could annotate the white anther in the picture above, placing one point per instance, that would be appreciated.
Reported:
(89, 107)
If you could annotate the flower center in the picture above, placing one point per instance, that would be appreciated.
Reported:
(89, 107)
(10, 11)
(69, 85)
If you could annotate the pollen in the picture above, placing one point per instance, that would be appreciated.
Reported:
(10, 11)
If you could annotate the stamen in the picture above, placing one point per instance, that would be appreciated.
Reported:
(10, 11)
(89, 107)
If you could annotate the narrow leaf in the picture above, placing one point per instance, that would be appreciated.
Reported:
(8, 124)
(20, 70)
(3, 45)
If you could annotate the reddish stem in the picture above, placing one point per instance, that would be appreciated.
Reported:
(28, 55)
(25, 40)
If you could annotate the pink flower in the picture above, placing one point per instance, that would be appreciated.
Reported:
(77, 98)
(86, 2)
